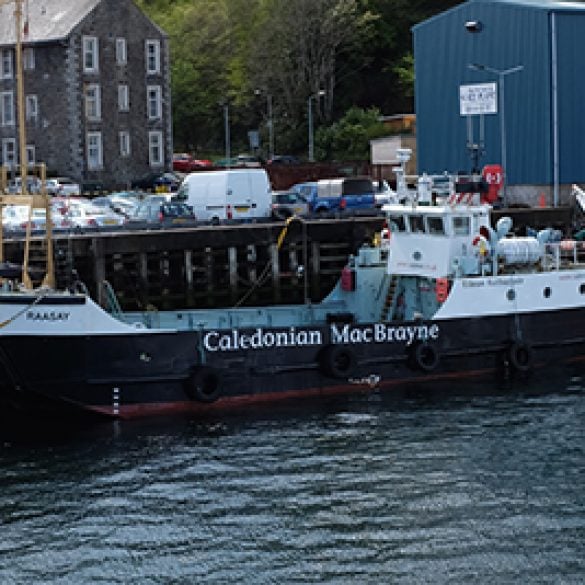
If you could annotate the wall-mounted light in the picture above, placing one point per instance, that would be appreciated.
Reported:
(473, 26)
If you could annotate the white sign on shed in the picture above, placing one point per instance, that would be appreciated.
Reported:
(480, 98)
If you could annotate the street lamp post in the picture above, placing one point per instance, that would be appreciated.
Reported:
(319, 94)
(269, 121)
(226, 127)
(501, 77)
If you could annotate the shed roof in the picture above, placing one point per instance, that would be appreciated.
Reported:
(48, 20)
(545, 5)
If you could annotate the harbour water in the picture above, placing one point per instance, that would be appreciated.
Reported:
(476, 488)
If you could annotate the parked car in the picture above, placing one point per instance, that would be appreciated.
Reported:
(185, 163)
(158, 182)
(163, 213)
(285, 204)
(344, 195)
(283, 159)
(33, 185)
(63, 186)
(91, 216)
(232, 195)
(18, 219)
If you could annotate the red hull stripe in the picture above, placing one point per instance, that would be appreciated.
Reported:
(129, 411)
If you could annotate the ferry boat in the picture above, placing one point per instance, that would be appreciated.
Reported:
(443, 298)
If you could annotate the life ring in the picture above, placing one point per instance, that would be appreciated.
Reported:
(520, 356)
(204, 385)
(425, 357)
(337, 361)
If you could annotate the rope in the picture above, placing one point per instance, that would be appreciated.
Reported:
(22, 311)
(266, 271)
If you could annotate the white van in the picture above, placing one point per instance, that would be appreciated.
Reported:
(234, 194)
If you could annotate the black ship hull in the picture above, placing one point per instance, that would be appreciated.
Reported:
(152, 372)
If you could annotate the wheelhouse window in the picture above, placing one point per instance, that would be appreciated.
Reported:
(6, 108)
(417, 224)
(28, 58)
(155, 149)
(152, 57)
(123, 98)
(6, 69)
(90, 55)
(396, 223)
(93, 106)
(154, 105)
(31, 108)
(435, 225)
(461, 226)
(121, 52)
(95, 159)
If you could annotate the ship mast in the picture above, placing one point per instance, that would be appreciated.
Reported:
(24, 198)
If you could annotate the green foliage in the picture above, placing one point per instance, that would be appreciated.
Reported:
(358, 51)
(349, 138)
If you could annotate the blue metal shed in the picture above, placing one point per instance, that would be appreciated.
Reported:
(544, 128)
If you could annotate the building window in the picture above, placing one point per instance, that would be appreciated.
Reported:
(31, 108)
(152, 57)
(154, 105)
(124, 143)
(90, 55)
(9, 152)
(123, 98)
(93, 102)
(6, 108)
(30, 155)
(121, 52)
(6, 68)
(28, 59)
(95, 159)
(155, 150)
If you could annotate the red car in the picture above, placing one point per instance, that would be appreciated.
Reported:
(185, 163)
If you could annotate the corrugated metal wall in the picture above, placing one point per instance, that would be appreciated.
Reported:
(512, 34)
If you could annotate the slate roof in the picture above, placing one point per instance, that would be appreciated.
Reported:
(48, 20)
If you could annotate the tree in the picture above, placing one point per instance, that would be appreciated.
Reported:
(349, 138)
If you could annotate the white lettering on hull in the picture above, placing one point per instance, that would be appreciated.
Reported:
(236, 340)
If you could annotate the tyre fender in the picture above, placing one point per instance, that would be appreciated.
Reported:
(204, 384)
(337, 361)
(520, 356)
(425, 357)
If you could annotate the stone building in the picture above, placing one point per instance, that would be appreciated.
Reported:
(97, 90)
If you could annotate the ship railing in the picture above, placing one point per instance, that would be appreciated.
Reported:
(112, 304)
(563, 254)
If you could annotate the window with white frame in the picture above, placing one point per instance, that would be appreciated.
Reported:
(93, 101)
(9, 152)
(95, 157)
(121, 52)
(152, 57)
(31, 108)
(123, 97)
(28, 58)
(155, 148)
(30, 155)
(6, 108)
(154, 102)
(124, 136)
(90, 55)
(6, 69)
